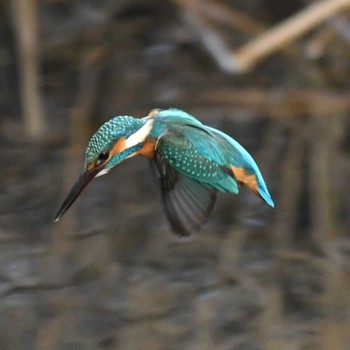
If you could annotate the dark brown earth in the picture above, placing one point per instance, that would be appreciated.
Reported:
(110, 274)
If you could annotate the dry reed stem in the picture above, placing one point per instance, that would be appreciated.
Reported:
(327, 230)
(62, 245)
(291, 191)
(223, 14)
(244, 59)
(271, 41)
(341, 25)
(317, 46)
(79, 120)
(24, 14)
(274, 103)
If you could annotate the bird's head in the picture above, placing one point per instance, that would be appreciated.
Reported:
(116, 140)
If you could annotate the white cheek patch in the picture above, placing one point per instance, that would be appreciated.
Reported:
(140, 135)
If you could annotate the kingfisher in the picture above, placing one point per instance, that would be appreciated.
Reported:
(193, 162)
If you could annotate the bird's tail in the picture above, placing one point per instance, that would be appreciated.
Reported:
(265, 195)
(254, 181)
(243, 166)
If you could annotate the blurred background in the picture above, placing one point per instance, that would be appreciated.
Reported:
(110, 274)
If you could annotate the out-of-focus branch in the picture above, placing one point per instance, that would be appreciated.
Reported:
(24, 14)
(317, 46)
(287, 31)
(79, 120)
(338, 26)
(289, 198)
(274, 103)
(341, 25)
(267, 43)
(62, 246)
(223, 14)
(328, 231)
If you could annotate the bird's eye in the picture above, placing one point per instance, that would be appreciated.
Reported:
(102, 157)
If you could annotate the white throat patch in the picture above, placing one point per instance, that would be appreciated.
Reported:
(140, 135)
(103, 172)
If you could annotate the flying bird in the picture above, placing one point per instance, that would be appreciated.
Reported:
(193, 161)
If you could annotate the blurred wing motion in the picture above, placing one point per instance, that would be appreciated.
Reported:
(187, 202)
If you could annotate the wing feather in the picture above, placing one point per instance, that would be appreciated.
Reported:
(187, 202)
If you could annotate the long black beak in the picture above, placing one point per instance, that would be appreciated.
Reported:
(84, 179)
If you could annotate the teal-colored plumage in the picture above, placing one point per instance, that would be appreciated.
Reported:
(239, 157)
(213, 145)
(193, 161)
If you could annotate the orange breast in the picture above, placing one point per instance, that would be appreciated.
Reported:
(148, 148)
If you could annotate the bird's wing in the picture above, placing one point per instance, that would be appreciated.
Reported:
(185, 156)
(224, 150)
(187, 202)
